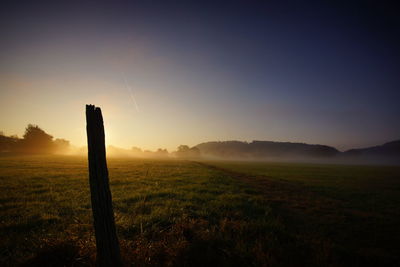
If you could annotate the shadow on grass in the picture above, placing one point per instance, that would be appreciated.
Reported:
(31, 225)
(65, 254)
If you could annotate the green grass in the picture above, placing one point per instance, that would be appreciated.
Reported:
(182, 213)
(355, 209)
(369, 188)
(167, 212)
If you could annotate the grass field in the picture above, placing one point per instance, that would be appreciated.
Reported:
(354, 211)
(184, 213)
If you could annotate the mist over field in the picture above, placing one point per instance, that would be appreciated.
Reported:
(217, 203)
(37, 141)
(199, 133)
(179, 212)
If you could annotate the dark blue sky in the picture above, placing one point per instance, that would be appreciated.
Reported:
(317, 72)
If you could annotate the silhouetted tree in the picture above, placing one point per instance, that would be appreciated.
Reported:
(36, 141)
(183, 149)
(7, 143)
(161, 153)
(187, 152)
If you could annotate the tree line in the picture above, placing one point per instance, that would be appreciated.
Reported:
(34, 141)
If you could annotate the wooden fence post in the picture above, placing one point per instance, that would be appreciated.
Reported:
(108, 253)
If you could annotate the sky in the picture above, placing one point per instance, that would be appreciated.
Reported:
(184, 72)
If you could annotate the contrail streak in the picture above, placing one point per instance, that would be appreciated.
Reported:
(131, 94)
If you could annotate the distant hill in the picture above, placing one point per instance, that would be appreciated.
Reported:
(387, 153)
(265, 149)
(387, 150)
